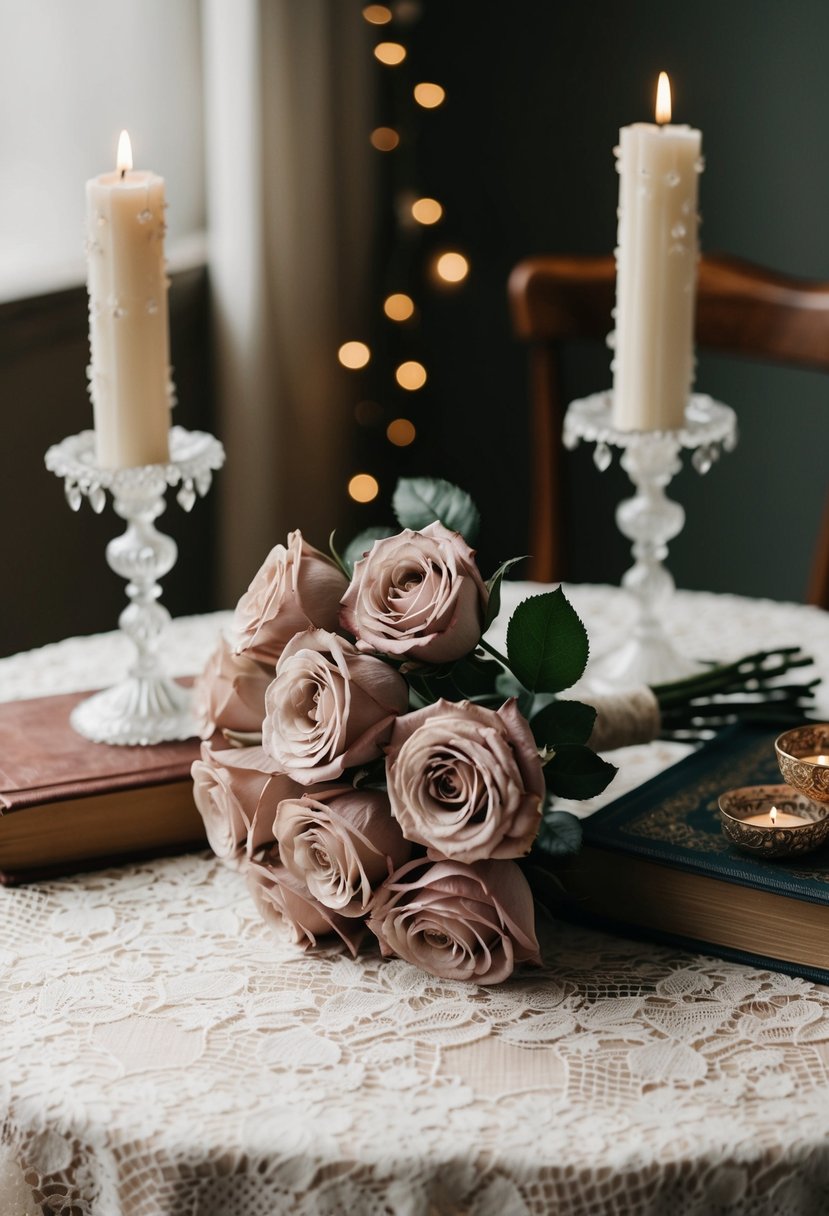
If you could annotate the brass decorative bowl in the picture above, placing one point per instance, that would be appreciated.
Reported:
(794, 750)
(738, 805)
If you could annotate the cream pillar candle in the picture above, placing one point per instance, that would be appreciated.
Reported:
(129, 373)
(656, 271)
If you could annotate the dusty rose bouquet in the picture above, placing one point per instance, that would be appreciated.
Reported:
(382, 770)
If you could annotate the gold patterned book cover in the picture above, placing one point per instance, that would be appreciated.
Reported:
(656, 861)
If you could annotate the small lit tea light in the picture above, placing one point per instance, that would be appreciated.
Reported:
(773, 820)
(776, 819)
(803, 759)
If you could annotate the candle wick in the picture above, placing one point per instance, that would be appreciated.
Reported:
(123, 174)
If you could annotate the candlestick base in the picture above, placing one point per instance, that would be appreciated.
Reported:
(649, 520)
(147, 707)
(139, 710)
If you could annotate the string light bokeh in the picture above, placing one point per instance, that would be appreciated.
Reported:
(391, 380)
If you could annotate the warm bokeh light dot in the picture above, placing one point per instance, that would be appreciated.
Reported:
(390, 53)
(354, 355)
(384, 139)
(429, 95)
(399, 306)
(411, 375)
(363, 487)
(452, 267)
(377, 14)
(426, 210)
(401, 432)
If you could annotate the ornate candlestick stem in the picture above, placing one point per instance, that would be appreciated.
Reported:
(146, 707)
(649, 520)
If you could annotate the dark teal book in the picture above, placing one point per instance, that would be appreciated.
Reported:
(655, 863)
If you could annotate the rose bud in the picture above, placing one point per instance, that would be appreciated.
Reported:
(296, 588)
(466, 781)
(418, 594)
(329, 707)
(342, 843)
(230, 692)
(281, 898)
(237, 791)
(458, 922)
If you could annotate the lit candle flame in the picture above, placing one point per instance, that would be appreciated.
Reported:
(123, 161)
(773, 815)
(663, 99)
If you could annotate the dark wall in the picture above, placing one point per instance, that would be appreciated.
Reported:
(521, 157)
(56, 581)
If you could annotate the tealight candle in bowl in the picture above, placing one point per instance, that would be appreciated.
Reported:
(773, 820)
(803, 759)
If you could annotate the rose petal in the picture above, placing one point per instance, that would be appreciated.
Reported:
(342, 843)
(283, 899)
(296, 588)
(457, 921)
(417, 593)
(466, 781)
(237, 791)
(329, 708)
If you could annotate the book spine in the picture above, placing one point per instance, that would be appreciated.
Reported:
(112, 784)
(815, 975)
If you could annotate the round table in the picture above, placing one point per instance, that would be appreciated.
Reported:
(162, 1052)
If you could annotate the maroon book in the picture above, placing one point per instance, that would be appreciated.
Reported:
(68, 804)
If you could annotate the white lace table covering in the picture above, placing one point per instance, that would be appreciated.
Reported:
(163, 1054)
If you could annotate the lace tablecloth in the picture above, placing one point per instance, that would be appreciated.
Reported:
(163, 1054)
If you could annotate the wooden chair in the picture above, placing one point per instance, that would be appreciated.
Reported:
(741, 310)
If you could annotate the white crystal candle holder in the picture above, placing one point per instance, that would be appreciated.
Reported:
(649, 520)
(148, 706)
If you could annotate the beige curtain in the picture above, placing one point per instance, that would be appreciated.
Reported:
(288, 114)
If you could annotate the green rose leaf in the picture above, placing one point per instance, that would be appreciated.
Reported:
(361, 544)
(563, 722)
(419, 501)
(475, 677)
(577, 772)
(507, 686)
(547, 643)
(421, 691)
(559, 834)
(494, 588)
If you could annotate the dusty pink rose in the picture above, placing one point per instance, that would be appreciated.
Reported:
(296, 588)
(458, 922)
(283, 899)
(342, 843)
(466, 781)
(237, 791)
(230, 692)
(329, 707)
(418, 594)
